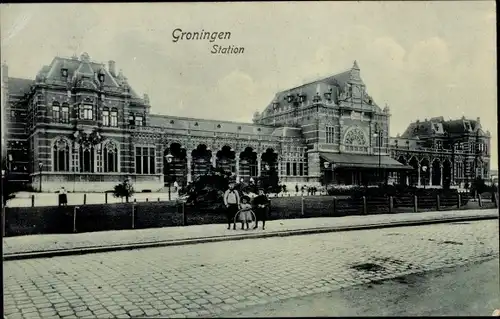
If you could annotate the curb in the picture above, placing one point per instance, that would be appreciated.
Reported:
(201, 240)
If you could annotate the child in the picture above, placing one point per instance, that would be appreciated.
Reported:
(261, 204)
(245, 212)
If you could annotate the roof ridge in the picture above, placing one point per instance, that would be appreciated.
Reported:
(320, 79)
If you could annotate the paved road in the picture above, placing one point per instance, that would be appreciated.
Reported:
(215, 278)
(470, 290)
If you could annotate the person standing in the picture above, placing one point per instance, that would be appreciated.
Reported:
(232, 203)
(63, 197)
(261, 204)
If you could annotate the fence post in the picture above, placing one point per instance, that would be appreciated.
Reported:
(438, 202)
(391, 204)
(147, 199)
(133, 215)
(459, 198)
(32, 200)
(184, 219)
(334, 206)
(415, 203)
(74, 218)
(480, 200)
(135, 200)
(158, 198)
(302, 205)
(106, 197)
(84, 199)
(364, 205)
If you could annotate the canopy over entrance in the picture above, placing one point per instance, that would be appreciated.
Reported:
(363, 161)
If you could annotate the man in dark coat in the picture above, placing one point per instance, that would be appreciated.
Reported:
(261, 204)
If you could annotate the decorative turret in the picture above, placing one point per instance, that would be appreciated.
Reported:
(256, 116)
(112, 67)
(387, 109)
(354, 76)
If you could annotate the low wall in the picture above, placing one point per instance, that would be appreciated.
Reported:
(101, 217)
(95, 182)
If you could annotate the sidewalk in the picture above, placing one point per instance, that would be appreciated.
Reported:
(66, 244)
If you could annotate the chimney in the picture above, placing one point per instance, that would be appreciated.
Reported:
(478, 120)
(112, 67)
(5, 72)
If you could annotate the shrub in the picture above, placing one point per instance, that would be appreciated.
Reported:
(123, 190)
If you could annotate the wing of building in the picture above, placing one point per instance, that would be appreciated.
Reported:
(80, 125)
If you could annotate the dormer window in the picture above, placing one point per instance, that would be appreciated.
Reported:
(328, 95)
(289, 98)
(239, 128)
(138, 120)
(101, 77)
(218, 126)
(196, 124)
(275, 105)
(64, 72)
(302, 98)
(467, 126)
(172, 122)
(316, 98)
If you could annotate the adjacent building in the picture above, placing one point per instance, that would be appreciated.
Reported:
(79, 124)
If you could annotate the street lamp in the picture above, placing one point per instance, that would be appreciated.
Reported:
(424, 169)
(378, 135)
(168, 158)
(40, 166)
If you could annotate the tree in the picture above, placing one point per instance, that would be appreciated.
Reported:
(123, 190)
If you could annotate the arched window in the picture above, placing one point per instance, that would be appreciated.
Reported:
(65, 113)
(87, 158)
(56, 109)
(114, 117)
(105, 116)
(110, 156)
(60, 159)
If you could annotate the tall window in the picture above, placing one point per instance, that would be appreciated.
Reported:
(65, 113)
(110, 156)
(131, 120)
(56, 112)
(287, 169)
(86, 112)
(105, 117)
(114, 117)
(87, 158)
(330, 134)
(301, 169)
(294, 169)
(144, 160)
(60, 156)
(138, 120)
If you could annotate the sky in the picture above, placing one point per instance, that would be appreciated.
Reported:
(422, 59)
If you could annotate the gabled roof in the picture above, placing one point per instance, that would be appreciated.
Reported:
(83, 67)
(438, 126)
(336, 84)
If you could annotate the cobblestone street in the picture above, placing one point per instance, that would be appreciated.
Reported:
(214, 278)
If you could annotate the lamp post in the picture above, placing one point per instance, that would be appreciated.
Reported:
(40, 166)
(325, 165)
(378, 135)
(169, 158)
(424, 170)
